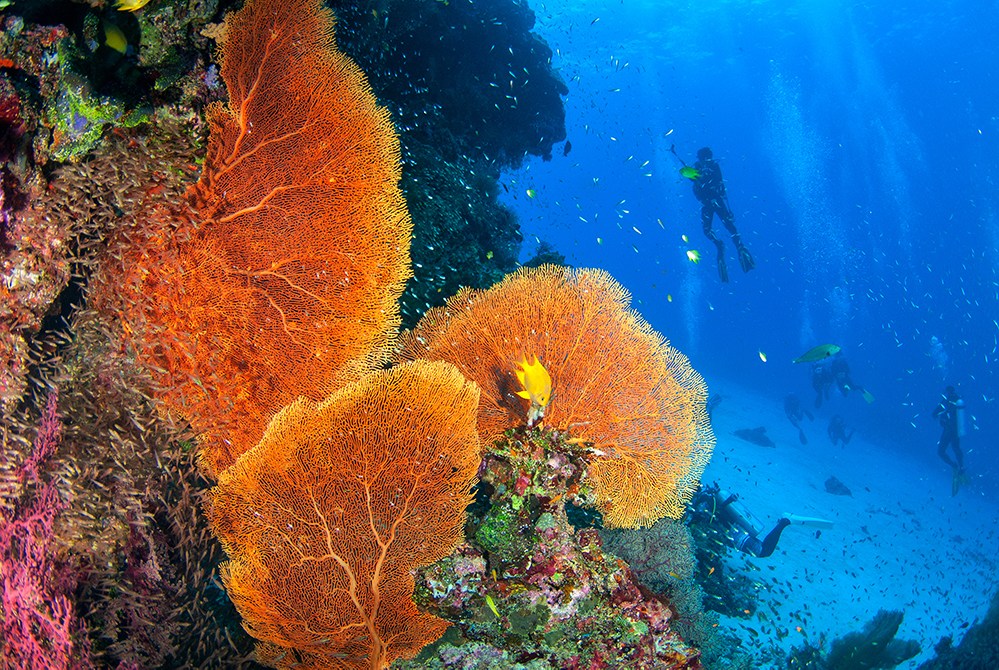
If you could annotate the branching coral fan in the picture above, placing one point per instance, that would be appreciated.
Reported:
(296, 255)
(326, 517)
(615, 381)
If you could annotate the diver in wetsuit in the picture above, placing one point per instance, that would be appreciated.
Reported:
(794, 413)
(950, 411)
(709, 188)
(822, 381)
(837, 430)
(712, 502)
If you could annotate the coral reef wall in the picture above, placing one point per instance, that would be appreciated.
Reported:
(473, 91)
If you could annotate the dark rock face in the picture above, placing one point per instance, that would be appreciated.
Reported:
(477, 66)
(472, 91)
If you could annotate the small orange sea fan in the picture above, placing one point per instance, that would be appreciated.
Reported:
(326, 518)
(615, 381)
(297, 250)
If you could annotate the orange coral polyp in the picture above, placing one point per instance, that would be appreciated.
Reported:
(326, 518)
(618, 383)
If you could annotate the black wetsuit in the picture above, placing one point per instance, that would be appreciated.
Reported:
(794, 414)
(709, 188)
(822, 380)
(946, 411)
(837, 430)
(841, 373)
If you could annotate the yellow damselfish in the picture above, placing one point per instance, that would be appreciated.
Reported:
(114, 38)
(694, 256)
(689, 173)
(130, 5)
(537, 385)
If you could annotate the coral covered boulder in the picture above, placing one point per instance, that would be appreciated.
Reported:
(531, 586)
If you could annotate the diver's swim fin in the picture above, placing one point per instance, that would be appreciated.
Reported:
(867, 396)
(801, 436)
(722, 269)
(746, 259)
(959, 480)
(809, 521)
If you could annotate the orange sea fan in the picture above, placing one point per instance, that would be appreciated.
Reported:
(615, 381)
(296, 254)
(327, 516)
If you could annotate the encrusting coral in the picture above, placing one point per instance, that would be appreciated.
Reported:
(293, 262)
(530, 585)
(325, 519)
(615, 381)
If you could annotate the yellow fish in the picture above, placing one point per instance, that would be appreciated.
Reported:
(689, 173)
(537, 387)
(817, 353)
(114, 38)
(531, 193)
(492, 605)
(695, 256)
(130, 5)
(763, 356)
(684, 238)
(489, 254)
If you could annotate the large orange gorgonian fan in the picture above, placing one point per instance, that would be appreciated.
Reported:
(326, 518)
(293, 261)
(615, 381)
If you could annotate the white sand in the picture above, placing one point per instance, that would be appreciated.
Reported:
(900, 542)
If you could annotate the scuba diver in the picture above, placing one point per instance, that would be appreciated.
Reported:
(837, 430)
(822, 381)
(713, 502)
(709, 189)
(950, 411)
(794, 413)
(840, 369)
(713, 402)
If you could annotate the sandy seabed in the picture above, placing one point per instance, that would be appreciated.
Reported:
(900, 541)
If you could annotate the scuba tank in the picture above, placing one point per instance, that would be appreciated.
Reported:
(736, 513)
(959, 416)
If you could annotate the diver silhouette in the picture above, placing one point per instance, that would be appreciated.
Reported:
(709, 188)
(837, 430)
(795, 413)
(950, 411)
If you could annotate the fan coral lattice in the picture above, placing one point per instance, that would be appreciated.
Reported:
(615, 381)
(327, 516)
(298, 251)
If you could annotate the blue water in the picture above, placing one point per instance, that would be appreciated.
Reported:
(860, 146)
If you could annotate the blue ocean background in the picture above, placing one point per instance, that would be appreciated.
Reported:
(860, 147)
